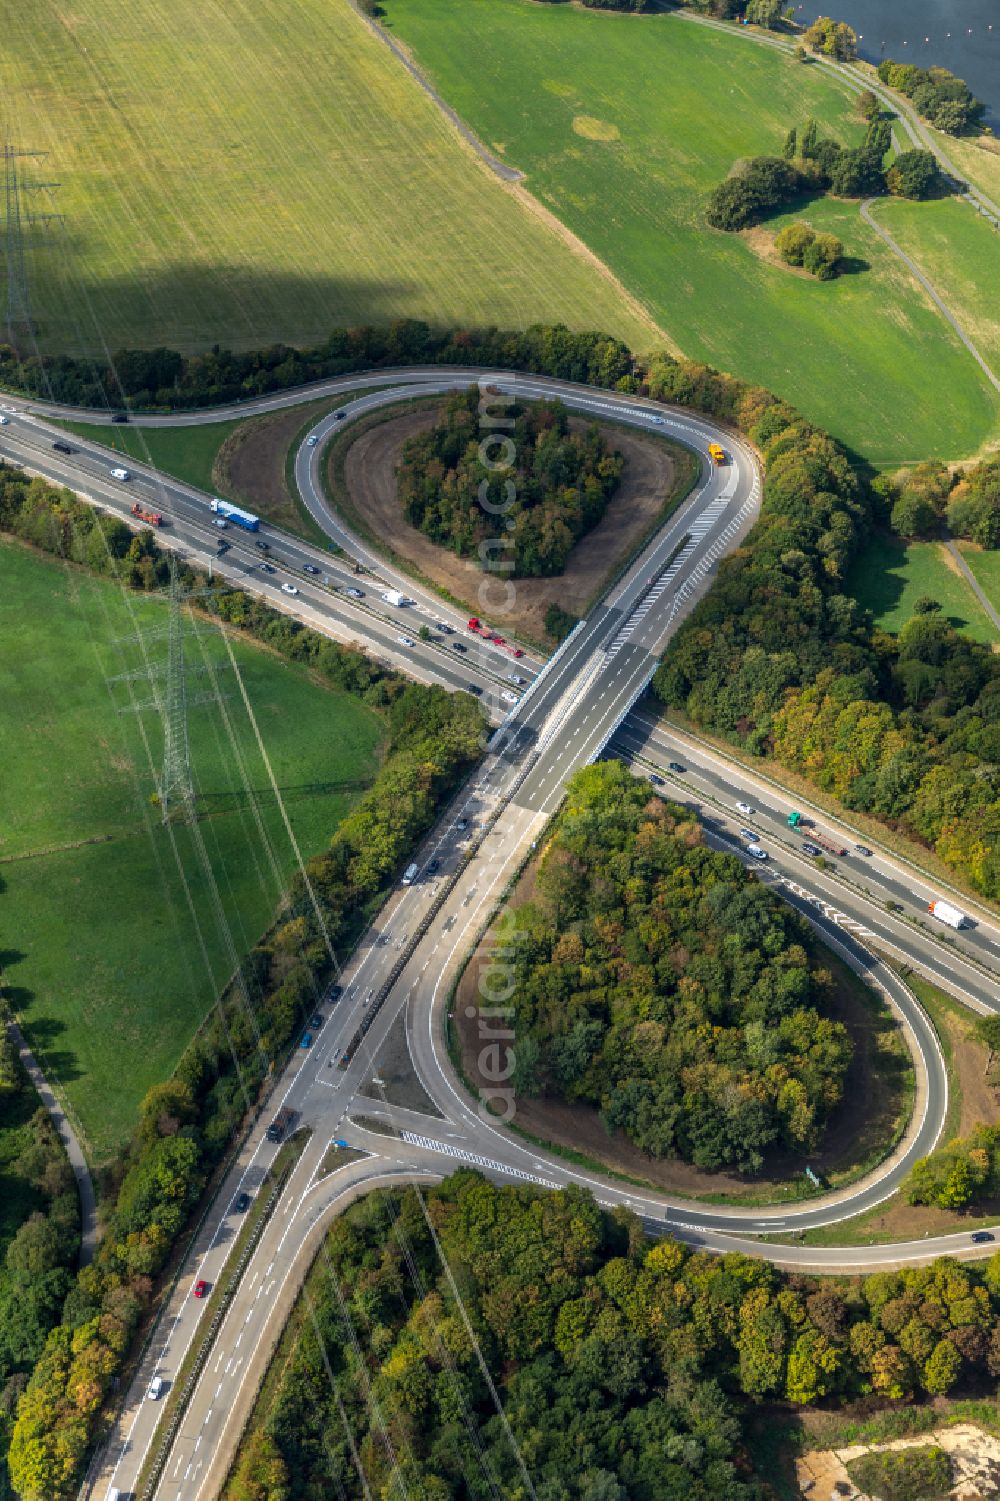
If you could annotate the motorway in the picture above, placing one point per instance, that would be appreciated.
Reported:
(573, 708)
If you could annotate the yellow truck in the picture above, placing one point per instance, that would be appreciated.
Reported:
(718, 455)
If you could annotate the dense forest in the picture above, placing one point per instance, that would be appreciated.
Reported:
(461, 1340)
(187, 1122)
(527, 510)
(659, 981)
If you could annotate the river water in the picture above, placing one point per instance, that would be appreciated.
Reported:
(962, 35)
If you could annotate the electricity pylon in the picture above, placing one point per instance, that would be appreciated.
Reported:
(18, 300)
(170, 696)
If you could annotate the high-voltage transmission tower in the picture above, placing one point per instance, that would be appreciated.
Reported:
(171, 698)
(18, 318)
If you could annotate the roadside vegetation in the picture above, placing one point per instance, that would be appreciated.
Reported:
(891, 577)
(39, 1232)
(625, 1368)
(625, 140)
(231, 177)
(187, 453)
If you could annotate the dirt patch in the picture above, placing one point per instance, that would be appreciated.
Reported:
(654, 469)
(855, 1134)
(980, 1098)
(251, 466)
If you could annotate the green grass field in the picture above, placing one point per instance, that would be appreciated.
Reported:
(986, 567)
(188, 453)
(623, 125)
(244, 174)
(891, 575)
(959, 252)
(112, 952)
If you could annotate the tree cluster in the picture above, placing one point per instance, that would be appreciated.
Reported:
(39, 1233)
(919, 1474)
(529, 512)
(779, 658)
(819, 254)
(832, 38)
(973, 509)
(163, 380)
(930, 496)
(623, 1368)
(943, 99)
(659, 981)
(958, 1173)
(754, 188)
(186, 1123)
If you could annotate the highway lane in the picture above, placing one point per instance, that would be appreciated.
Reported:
(966, 963)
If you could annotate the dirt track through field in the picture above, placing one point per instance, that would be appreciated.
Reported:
(649, 477)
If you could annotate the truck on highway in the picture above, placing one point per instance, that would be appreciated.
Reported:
(946, 913)
(825, 841)
(489, 634)
(276, 1130)
(152, 517)
(396, 597)
(717, 453)
(246, 519)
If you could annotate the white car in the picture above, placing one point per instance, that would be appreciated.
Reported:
(289, 589)
(121, 474)
(748, 834)
(312, 440)
(220, 523)
(660, 421)
(516, 677)
(508, 697)
(155, 1388)
(756, 851)
(746, 810)
(4, 421)
(406, 641)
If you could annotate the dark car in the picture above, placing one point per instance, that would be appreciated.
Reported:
(241, 1203)
(862, 849)
(811, 849)
(457, 646)
(309, 568)
(355, 593)
(307, 1040)
(334, 993)
(119, 417)
(433, 866)
(980, 1237)
(61, 447)
(475, 689)
(339, 416)
(268, 568)
(676, 766)
(263, 546)
(316, 1020)
(657, 781)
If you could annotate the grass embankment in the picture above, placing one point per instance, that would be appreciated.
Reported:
(186, 453)
(972, 1098)
(986, 567)
(114, 952)
(890, 575)
(250, 175)
(624, 124)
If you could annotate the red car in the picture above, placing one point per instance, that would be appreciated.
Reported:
(200, 1288)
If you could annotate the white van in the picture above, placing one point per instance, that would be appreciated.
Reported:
(410, 874)
(155, 1388)
(122, 474)
(114, 1494)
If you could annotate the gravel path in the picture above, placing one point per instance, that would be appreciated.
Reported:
(973, 582)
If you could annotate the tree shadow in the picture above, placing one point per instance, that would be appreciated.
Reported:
(852, 265)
